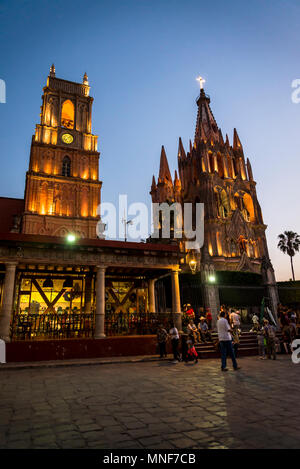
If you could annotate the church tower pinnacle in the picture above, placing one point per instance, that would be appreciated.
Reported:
(215, 173)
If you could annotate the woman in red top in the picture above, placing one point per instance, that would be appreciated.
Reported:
(208, 318)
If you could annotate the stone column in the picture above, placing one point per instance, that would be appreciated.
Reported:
(100, 303)
(7, 302)
(151, 295)
(270, 284)
(177, 315)
(209, 289)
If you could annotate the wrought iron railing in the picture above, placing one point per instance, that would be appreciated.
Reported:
(134, 323)
(80, 325)
(52, 326)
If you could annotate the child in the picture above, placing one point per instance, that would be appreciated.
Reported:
(191, 353)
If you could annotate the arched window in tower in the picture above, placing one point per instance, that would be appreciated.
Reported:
(235, 167)
(248, 207)
(66, 167)
(67, 114)
(220, 165)
(211, 162)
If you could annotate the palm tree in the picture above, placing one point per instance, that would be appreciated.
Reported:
(289, 243)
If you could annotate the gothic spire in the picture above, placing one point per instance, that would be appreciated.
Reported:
(164, 171)
(181, 151)
(236, 141)
(249, 169)
(153, 186)
(206, 123)
(177, 182)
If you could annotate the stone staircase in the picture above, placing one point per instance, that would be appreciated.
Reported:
(248, 346)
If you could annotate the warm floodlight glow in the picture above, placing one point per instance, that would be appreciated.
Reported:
(201, 81)
(71, 238)
(193, 265)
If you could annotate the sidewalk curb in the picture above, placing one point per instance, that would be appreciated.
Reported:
(69, 363)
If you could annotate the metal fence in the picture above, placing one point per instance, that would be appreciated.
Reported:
(80, 325)
(134, 324)
(52, 326)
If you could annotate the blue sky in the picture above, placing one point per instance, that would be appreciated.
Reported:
(142, 58)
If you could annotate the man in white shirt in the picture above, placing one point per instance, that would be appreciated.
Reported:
(174, 335)
(225, 341)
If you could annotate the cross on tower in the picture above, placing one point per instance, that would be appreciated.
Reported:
(201, 81)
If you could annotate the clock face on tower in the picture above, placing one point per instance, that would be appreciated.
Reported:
(67, 138)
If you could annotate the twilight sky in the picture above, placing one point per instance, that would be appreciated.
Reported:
(142, 58)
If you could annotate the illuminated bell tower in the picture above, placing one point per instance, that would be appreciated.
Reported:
(62, 184)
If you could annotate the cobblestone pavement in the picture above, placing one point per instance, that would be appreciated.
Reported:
(157, 405)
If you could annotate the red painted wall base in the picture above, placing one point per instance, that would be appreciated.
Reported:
(30, 351)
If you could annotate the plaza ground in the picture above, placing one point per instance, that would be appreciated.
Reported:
(157, 405)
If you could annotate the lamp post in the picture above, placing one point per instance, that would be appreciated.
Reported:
(193, 265)
(192, 262)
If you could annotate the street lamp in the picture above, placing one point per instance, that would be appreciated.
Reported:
(212, 279)
(193, 265)
(71, 237)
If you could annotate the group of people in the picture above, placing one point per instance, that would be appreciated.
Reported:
(163, 336)
(268, 342)
(199, 330)
(188, 351)
(288, 325)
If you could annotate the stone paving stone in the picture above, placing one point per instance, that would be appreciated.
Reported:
(196, 434)
(192, 407)
(133, 425)
(140, 433)
(182, 443)
(152, 440)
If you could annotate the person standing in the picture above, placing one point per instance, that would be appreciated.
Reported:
(174, 335)
(225, 341)
(204, 331)
(236, 340)
(293, 324)
(261, 344)
(235, 321)
(270, 335)
(162, 336)
(192, 330)
(209, 318)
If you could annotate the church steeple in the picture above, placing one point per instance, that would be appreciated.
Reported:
(206, 125)
(164, 171)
